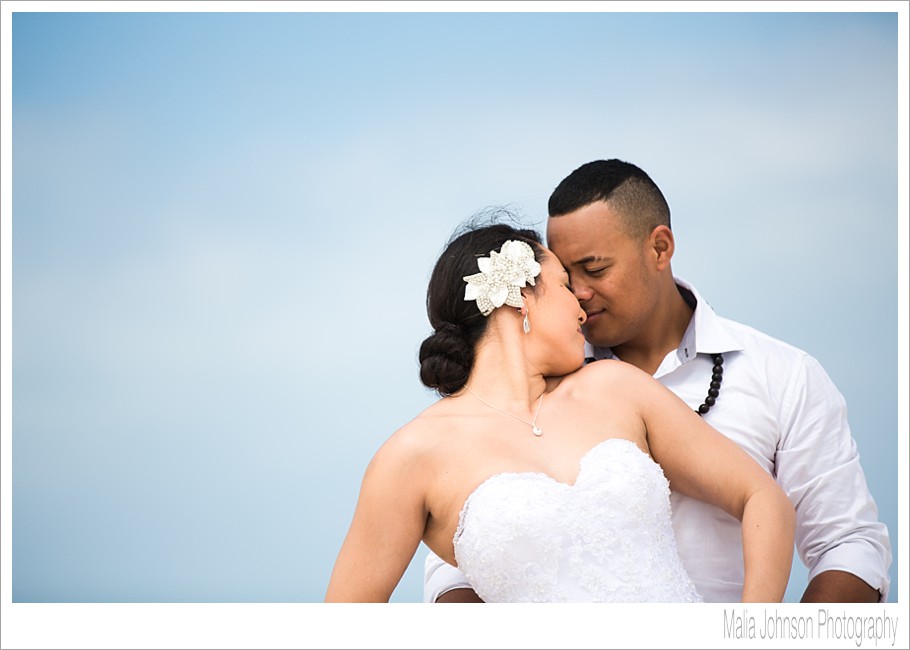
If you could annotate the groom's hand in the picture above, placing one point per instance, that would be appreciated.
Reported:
(459, 596)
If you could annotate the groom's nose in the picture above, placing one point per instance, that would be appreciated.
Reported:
(582, 291)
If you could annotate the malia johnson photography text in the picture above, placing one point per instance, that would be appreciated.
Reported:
(875, 628)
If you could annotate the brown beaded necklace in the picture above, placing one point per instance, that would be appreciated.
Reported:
(714, 388)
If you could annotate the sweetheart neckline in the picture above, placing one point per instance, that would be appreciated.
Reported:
(540, 475)
(556, 480)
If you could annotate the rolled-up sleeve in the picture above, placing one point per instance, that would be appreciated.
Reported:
(439, 577)
(818, 466)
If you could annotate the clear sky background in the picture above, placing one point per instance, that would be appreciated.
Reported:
(223, 225)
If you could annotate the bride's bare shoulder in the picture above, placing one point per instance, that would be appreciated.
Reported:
(420, 439)
(606, 372)
(605, 388)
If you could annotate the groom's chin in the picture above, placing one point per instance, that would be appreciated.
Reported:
(596, 337)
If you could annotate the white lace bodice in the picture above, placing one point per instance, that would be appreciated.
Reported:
(526, 537)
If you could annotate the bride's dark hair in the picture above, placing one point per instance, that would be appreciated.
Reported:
(447, 355)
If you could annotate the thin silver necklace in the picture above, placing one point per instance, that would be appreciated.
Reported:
(533, 423)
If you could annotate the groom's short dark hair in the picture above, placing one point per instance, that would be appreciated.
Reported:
(628, 189)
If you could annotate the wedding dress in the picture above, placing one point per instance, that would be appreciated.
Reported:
(526, 537)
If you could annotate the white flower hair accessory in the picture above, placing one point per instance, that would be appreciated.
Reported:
(501, 277)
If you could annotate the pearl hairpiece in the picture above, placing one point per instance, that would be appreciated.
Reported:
(501, 277)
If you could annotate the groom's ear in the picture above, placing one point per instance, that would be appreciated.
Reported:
(662, 244)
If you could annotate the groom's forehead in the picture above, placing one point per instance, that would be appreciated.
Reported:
(594, 227)
(579, 247)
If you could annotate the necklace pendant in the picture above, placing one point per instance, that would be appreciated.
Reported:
(536, 431)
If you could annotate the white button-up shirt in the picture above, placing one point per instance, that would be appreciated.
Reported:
(780, 406)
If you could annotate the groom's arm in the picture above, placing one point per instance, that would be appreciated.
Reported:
(839, 537)
(838, 587)
(459, 596)
(443, 583)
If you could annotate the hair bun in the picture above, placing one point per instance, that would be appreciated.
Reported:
(446, 358)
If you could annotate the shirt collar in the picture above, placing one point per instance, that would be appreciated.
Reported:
(706, 333)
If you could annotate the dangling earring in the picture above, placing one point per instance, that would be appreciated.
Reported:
(523, 310)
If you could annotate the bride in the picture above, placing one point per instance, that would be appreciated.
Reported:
(540, 478)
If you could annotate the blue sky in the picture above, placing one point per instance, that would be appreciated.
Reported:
(223, 225)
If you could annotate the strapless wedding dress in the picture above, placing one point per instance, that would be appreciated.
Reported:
(526, 537)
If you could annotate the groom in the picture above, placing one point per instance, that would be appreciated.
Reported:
(610, 227)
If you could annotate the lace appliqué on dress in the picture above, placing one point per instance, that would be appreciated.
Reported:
(526, 537)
